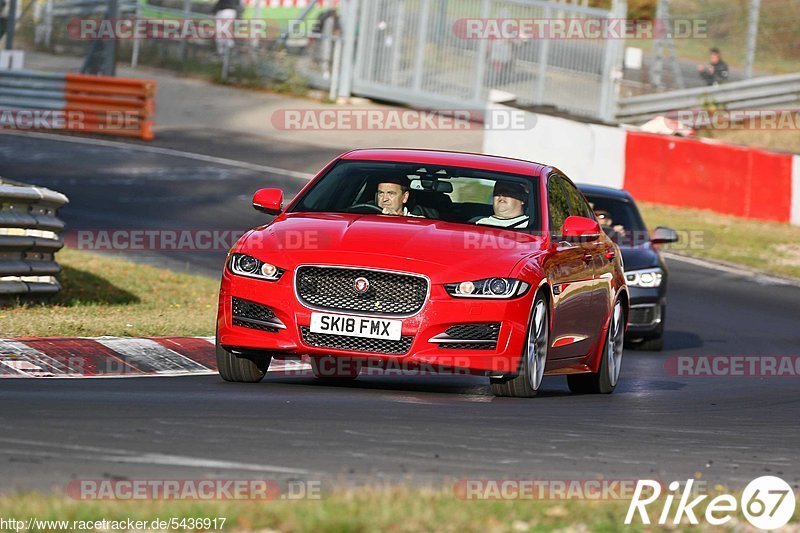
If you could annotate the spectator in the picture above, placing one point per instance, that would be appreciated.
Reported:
(226, 12)
(716, 71)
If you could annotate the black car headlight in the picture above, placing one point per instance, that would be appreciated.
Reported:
(488, 288)
(249, 266)
(648, 278)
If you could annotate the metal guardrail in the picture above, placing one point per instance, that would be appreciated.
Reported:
(758, 93)
(30, 235)
(80, 102)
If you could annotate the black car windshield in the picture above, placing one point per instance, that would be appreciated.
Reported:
(451, 194)
(620, 219)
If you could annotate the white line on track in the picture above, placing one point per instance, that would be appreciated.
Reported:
(162, 151)
(195, 462)
(127, 456)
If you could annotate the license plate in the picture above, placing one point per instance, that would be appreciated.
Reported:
(356, 326)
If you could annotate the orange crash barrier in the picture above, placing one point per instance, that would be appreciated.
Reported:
(31, 100)
(116, 106)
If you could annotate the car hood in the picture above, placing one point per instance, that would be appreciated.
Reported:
(443, 251)
(639, 257)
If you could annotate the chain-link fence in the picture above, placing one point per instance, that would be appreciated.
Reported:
(411, 51)
(434, 52)
(283, 53)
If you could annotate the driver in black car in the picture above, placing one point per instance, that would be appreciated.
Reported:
(614, 231)
(392, 196)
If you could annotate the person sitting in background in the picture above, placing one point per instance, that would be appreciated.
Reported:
(508, 202)
(716, 71)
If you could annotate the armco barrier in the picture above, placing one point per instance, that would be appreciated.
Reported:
(764, 92)
(703, 174)
(30, 235)
(77, 102)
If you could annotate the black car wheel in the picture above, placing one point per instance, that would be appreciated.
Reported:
(605, 380)
(240, 369)
(527, 382)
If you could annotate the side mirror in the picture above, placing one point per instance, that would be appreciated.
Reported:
(663, 235)
(580, 229)
(268, 201)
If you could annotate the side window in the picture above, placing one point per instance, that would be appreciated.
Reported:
(577, 204)
(557, 204)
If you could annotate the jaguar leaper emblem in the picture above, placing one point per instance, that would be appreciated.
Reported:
(361, 285)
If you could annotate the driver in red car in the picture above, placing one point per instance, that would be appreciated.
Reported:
(393, 195)
(508, 201)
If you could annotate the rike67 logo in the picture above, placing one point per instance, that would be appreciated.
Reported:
(767, 502)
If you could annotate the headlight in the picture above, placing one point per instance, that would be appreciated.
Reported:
(487, 288)
(648, 278)
(249, 266)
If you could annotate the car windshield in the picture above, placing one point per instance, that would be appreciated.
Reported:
(620, 219)
(451, 194)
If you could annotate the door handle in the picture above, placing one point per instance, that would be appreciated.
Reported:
(587, 258)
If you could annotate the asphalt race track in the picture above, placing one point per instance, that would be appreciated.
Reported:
(420, 428)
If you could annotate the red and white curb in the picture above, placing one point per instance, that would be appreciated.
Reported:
(115, 357)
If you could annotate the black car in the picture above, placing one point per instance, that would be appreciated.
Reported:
(645, 270)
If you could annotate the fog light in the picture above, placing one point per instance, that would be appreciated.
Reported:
(268, 270)
(466, 287)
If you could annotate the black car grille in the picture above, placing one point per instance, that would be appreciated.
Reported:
(249, 314)
(356, 344)
(334, 289)
(643, 316)
(468, 332)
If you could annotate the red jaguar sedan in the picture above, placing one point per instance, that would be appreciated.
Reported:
(419, 259)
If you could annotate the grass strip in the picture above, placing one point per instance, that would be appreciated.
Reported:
(399, 508)
(769, 247)
(106, 295)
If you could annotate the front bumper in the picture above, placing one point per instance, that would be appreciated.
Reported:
(646, 317)
(440, 312)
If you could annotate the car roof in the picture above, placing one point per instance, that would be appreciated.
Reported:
(442, 157)
(608, 192)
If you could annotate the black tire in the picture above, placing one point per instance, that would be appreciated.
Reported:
(519, 385)
(240, 369)
(600, 382)
(332, 368)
